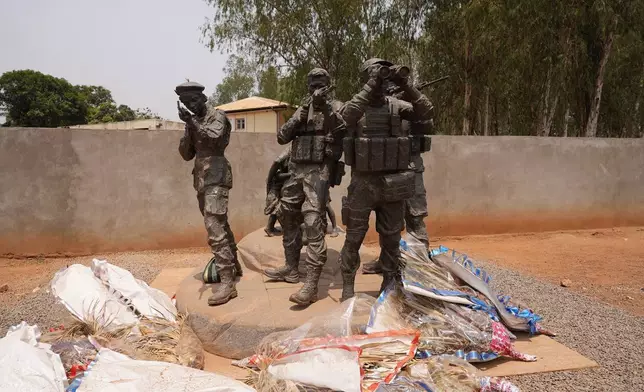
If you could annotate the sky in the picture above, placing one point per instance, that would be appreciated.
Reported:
(138, 49)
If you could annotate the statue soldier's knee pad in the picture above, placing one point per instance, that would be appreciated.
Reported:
(312, 227)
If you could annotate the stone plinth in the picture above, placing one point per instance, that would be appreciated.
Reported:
(235, 329)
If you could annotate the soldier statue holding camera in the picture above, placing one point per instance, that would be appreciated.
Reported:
(315, 132)
(416, 206)
(206, 137)
(379, 150)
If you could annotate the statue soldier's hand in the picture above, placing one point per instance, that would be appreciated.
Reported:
(184, 114)
(304, 112)
(319, 96)
(376, 74)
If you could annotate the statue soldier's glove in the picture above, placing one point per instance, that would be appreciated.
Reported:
(319, 96)
(185, 115)
(304, 111)
(376, 75)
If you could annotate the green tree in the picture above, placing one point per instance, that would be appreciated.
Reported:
(146, 114)
(337, 35)
(523, 67)
(33, 99)
(269, 83)
(238, 82)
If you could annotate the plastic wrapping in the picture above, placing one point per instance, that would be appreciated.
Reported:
(451, 276)
(461, 266)
(145, 300)
(300, 355)
(445, 374)
(76, 354)
(26, 364)
(350, 318)
(114, 372)
(109, 296)
(445, 328)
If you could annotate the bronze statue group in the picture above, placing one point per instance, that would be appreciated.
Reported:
(381, 132)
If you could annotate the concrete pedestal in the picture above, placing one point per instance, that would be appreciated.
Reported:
(235, 329)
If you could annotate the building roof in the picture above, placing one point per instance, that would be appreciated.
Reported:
(253, 103)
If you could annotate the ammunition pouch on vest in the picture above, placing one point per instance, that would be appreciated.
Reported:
(398, 186)
(382, 144)
(420, 144)
(308, 149)
(378, 154)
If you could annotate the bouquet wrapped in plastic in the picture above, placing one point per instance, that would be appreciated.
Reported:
(445, 328)
(445, 374)
(332, 352)
(452, 277)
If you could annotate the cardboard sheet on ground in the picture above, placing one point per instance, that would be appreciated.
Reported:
(551, 355)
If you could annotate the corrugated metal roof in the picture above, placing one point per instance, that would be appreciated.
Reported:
(252, 103)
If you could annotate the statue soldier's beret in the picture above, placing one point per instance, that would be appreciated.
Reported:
(189, 87)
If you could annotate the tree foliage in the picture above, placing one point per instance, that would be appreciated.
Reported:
(32, 99)
(238, 82)
(520, 67)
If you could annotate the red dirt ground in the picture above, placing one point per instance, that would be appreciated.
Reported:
(605, 264)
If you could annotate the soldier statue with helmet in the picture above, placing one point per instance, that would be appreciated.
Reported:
(315, 132)
(206, 136)
(416, 206)
(378, 149)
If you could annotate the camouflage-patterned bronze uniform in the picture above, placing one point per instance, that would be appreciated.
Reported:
(416, 206)
(378, 149)
(277, 176)
(315, 133)
(205, 139)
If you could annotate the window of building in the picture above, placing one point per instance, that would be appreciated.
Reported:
(240, 124)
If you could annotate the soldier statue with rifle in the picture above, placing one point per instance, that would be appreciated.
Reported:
(315, 132)
(378, 149)
(206, 137)
(416, 206)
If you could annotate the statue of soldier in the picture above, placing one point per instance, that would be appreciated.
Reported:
(205, 139)
(315, 132)
(416, 206)
(277, 176)
(378, 149)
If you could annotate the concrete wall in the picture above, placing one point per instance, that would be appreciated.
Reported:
(149, 124)
(66, 191)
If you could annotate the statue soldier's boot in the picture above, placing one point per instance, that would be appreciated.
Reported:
(348, 284)
(372, 267)
(388, 279)
(287, 273)
(309, 292)
(238, 267)
(224, 291)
